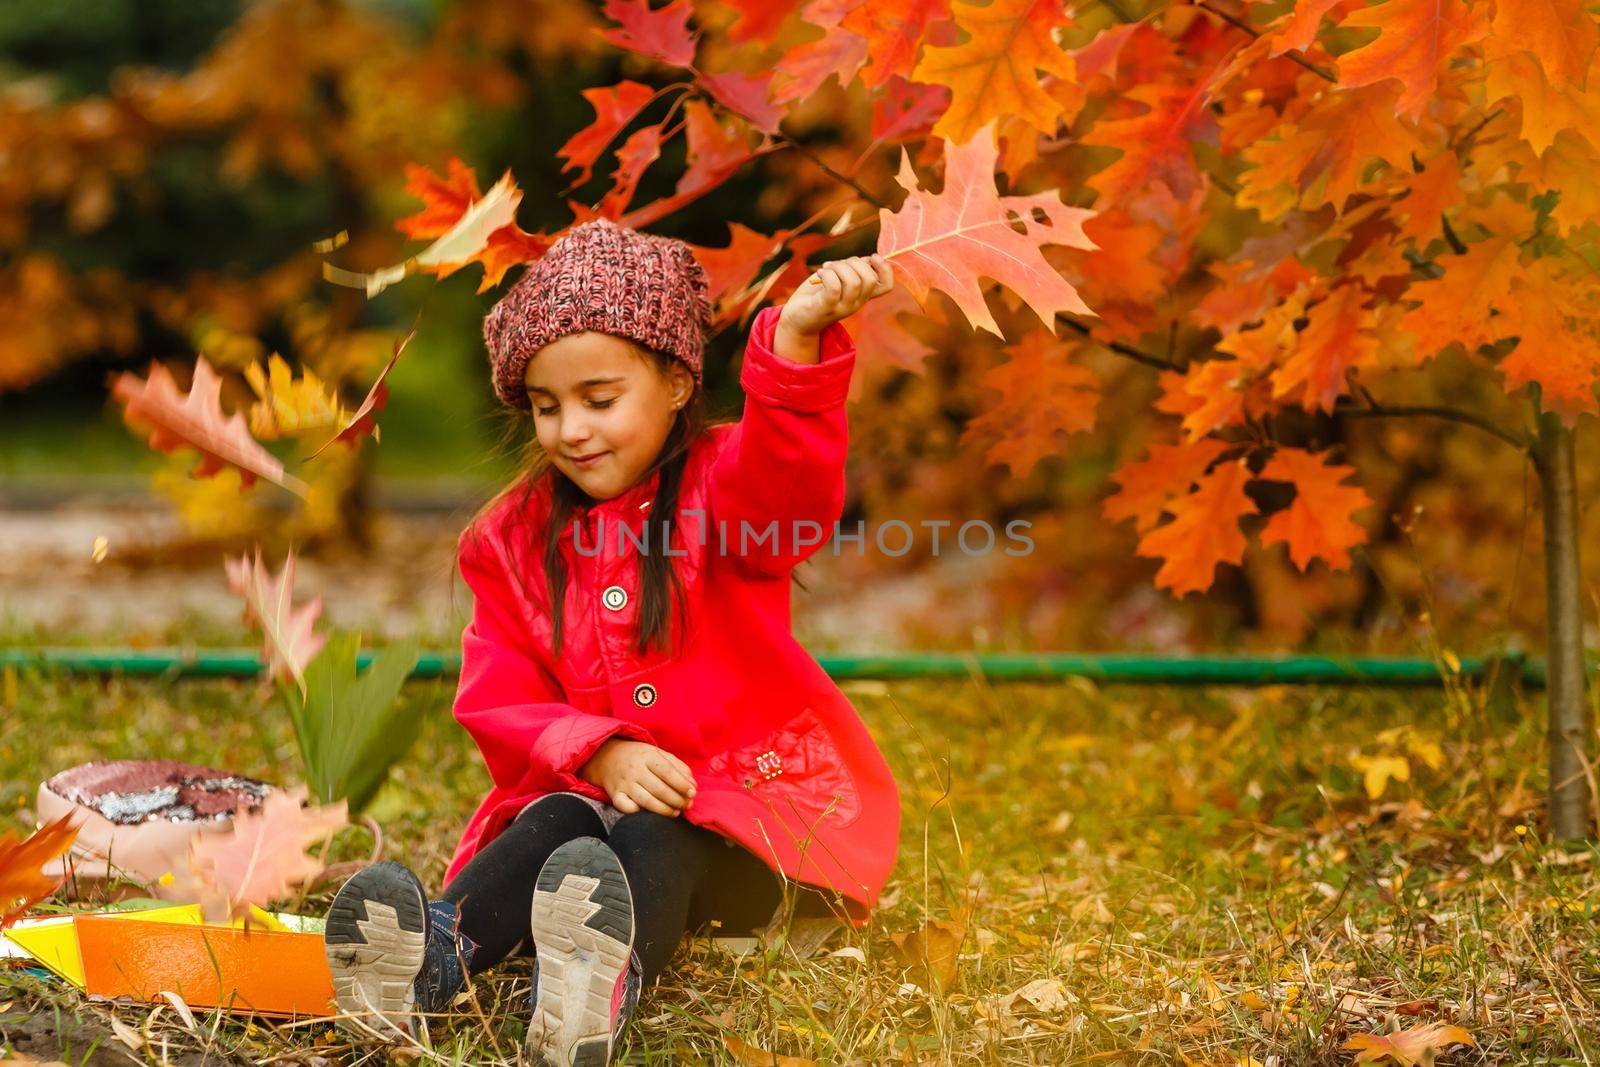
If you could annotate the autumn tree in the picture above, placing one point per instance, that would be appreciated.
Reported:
(1285, 222)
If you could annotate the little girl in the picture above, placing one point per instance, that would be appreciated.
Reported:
(664, 754)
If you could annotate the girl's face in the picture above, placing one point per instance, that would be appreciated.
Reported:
(602, 410)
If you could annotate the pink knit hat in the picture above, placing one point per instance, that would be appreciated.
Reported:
(604, 277)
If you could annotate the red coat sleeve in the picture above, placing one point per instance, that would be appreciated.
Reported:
(784, 461)
(509, 702)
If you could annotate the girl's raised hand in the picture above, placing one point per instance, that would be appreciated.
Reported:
(836, 290)
(640, 777)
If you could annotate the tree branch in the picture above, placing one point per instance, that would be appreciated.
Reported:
(1293, 53)
(1122, 349)
(860, 189)
(1521, 442)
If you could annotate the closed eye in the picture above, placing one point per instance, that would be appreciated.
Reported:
(597, 404)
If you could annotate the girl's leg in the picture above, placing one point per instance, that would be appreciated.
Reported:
(681, 875)
(494, 890)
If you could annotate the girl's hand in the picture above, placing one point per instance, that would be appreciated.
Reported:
(639, 776)
(835, 291)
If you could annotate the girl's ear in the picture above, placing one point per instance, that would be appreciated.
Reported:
(681, 380)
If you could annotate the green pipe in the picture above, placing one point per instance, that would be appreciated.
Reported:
(1136, 668)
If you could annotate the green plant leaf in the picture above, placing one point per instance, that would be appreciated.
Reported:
(352, 729)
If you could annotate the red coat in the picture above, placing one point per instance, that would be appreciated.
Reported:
(782, 761)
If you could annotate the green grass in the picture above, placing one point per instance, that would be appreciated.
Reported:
(1173, 876)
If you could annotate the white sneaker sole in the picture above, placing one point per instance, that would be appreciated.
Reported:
(377, 927)
(581, 923)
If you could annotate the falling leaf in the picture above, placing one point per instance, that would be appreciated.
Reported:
(22, 883)
(1407, 1047)
(98, 552)
(287, 406)
(363, 421)
(263, 855)
(196, 421)
(947, 240)
(291, 641)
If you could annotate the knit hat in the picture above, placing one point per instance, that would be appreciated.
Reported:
(604, 277)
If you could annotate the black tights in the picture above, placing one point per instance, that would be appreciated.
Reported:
(682, 877)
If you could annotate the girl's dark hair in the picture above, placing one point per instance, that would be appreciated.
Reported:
(657, 572)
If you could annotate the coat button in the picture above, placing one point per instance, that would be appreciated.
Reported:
(644, 694)
(615, 597)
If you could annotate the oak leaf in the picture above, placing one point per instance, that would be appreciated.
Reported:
(1415, 42)
(614, 107)
(1147, 485)
(1204, 531)
(262, 856)
(1317, 523)
(946, 240)
(994, 73)
(287, 406)
(290, 638)
(662, 34)
(1043, 397)
(195, 420)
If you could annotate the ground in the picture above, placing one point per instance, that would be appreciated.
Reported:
(1132, 875)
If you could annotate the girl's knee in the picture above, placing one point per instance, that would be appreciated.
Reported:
(641, 831)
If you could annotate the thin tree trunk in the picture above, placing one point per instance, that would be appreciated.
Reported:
(1569, 725)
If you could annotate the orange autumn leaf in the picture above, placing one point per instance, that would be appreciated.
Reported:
(1204, 531)
(892, 34)
(1147, 485)
(195, 420)
(1156, 143)
(994, 73)
(1416, 39)
(1407, 1047)
(837, 53)
(1317, 523)
(946, 240)
(755, 1056)
(1043, 398)
(22, 883)
(466, 227)
(1556, 319)
(1339, 337)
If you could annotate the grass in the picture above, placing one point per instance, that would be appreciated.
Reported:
(1134, 875)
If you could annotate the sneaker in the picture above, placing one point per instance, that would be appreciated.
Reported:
(586, 975)
(392, 953)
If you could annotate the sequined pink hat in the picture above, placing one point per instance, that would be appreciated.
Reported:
(604, 277)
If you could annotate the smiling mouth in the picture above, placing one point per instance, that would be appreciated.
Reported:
(586, 459)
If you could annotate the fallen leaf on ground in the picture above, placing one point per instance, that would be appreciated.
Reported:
(262, 856)
(1407, 1047)
(754, 1056)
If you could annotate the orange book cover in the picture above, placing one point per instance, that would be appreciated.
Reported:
(263, 971)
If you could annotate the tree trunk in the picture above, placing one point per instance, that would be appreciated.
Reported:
(1569, 726)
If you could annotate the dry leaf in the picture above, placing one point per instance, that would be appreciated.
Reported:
(928, 953)
(746, 1053)
(195, 420)
(1407, 1047)
(262, 856)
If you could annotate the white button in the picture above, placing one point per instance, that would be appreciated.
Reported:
(644, 694)
(615, 597)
